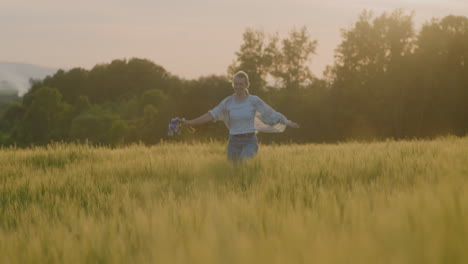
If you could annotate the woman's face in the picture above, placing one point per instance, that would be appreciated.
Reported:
(240, 84)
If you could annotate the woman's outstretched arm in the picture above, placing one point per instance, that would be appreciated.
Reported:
(271, 116)
(199, 120)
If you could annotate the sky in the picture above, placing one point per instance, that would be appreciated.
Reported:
(188, 38)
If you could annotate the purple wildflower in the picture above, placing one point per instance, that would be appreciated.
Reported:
(175, 126)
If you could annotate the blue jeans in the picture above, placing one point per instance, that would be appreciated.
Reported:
(240, 148)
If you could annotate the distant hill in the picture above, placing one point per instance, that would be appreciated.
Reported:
(15, 76)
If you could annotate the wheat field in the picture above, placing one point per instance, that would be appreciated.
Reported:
(378, 202)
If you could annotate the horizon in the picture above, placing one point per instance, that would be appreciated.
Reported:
(189, 40)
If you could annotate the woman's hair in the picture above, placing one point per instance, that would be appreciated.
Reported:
(242, 75)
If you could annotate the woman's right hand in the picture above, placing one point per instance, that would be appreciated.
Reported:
(187, 122)
(199, 120)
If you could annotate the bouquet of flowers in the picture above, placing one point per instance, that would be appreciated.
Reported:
(177, 125)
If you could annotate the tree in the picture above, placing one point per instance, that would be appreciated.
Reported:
(45, 118)
(261, 57)
(255, 57)
(70, 84)
(154, 97)
(148, 125)
(11, 119)
(96, 127)
(442, 54)
(82, 104)
(371, 62)
(118, 132)
(292, 65)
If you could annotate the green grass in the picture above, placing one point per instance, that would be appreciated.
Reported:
(385, 202)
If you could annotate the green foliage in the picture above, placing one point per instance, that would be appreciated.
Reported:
(256, 57)
(292, 65)
(82, 104)
(45, 119)
(153, 97)
(442, 54)
(97, 128)
(374, 46)
(262, 57)
(11, 118)
(371, 77)
(8, 96)
(3, 139)
(148, 124)
(388, 81)
(118, 132)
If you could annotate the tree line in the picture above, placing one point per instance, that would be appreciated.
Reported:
(387, 81)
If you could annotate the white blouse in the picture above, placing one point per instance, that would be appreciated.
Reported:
(252, 115)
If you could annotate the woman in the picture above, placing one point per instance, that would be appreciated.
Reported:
(244, 115)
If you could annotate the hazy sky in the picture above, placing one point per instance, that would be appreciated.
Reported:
(188, 38)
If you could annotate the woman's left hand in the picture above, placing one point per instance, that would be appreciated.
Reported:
(292, 124)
